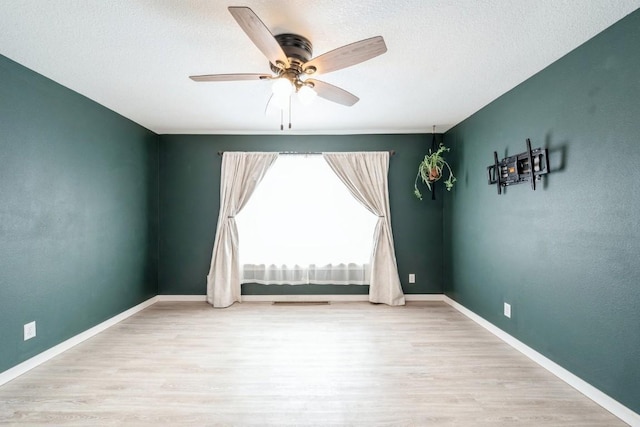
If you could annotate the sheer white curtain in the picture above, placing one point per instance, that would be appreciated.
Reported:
(365, 174)
(239, 176)
(302, 226)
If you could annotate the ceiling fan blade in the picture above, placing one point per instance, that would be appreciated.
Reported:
(347, 56)
(333, 93)
(228, 77)
(259, 34)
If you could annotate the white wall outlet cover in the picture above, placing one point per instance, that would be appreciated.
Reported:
(412, 278)
(29, 330)
(507, 310)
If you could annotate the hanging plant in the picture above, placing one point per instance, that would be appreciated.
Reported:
(431, 169)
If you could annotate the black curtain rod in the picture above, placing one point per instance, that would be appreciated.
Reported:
(391, 152)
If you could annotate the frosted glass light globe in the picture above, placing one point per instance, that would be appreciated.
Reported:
(282, 87)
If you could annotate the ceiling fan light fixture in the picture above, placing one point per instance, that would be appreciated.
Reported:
(306, 94)
(291, 61)
(282, 87)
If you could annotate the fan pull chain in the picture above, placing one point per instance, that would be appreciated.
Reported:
(281, 119)
(289, 112)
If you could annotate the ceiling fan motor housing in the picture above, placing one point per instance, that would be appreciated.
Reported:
(297, 48)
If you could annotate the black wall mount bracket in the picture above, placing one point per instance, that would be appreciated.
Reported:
(523, 167)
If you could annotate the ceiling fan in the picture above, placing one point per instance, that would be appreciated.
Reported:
(291, 62)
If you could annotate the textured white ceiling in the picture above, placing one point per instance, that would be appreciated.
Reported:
(446, 59)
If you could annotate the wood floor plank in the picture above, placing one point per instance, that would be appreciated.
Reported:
(257, 364)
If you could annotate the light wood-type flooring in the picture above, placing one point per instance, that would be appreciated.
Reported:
(258, 364)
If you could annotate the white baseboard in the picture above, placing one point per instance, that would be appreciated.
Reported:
(27, 365)
(304, 298)
(616, 408)
(181, 298)
(333, 298)
(424, 297)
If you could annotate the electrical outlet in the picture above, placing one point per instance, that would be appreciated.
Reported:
(507, 310)
(30, 330)
(412, 278)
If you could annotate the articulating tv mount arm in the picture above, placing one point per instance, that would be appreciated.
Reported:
(523, 167)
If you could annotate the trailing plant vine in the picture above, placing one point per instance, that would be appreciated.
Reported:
(431, 169)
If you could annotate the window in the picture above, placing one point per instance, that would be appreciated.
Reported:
(302, 225)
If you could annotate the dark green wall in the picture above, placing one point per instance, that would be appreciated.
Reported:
(78, 213)
(189, 204)
(567, 255)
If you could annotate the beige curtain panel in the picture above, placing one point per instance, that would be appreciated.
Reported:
(240, 174)
(365, 174)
